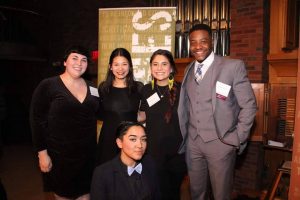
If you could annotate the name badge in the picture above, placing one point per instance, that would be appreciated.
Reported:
(94, 91)
(153, 99)
(222, 90)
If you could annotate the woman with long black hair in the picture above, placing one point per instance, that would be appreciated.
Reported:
(119, 101)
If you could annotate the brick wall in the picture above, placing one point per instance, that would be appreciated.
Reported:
(249, 168)
(249, 42)
(249, 33)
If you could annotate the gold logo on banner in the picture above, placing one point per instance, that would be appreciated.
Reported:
(140, 30)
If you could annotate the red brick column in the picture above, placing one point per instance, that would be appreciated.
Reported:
(248, 43)
(248, 36)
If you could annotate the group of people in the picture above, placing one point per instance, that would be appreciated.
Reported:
(208, 117)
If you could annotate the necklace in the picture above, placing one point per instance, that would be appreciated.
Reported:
(162, 94)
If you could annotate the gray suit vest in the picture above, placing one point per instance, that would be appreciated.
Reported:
(201, 120)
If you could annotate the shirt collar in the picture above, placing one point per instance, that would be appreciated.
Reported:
(206, 63)
(138, 168)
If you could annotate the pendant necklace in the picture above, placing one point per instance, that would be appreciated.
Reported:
(161, 94)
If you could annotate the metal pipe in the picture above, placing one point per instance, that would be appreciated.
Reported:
(178, 45)
(206, 12)
(190, 10)
(214, 13)
(197, 11)
(215, 41)
(178, 29)
(182, 13)
(215, 16)
(228, 29)
(224, 8)
(223, 42)
(215, 10)
(188, 15)
(180, 10)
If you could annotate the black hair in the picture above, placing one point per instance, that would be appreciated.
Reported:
(76, 49)
(124, 126)
(168, 55)
(130, 83)
(198, 27)
(173, 92)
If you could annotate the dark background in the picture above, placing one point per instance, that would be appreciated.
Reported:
(33, 37)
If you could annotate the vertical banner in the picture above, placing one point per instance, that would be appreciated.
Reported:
(139, 30)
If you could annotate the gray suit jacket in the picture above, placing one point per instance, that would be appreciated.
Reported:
(233, 116)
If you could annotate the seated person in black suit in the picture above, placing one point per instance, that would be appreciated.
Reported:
(130, 175)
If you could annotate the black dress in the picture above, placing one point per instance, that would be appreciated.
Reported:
(116, 106)
(66, 128)
(164, 140)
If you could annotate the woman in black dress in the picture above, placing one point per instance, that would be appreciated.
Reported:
(160, 102)
(119, 101)
(63, 122)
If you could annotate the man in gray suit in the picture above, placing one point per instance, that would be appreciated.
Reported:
(216, 110)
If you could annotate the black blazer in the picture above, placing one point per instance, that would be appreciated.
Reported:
(110, 181)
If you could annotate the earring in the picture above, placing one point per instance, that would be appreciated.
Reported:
(171, 81)
(152, 83)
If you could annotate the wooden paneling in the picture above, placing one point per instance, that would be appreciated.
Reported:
(181, 64)
(258, 128)
(283, 80)
(275, 121)
(283, 67)
(277, 25)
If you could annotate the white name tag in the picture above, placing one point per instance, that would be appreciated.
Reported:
(222, 90)
(153, 99)
(94, 91)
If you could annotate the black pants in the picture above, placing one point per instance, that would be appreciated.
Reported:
(171, 175)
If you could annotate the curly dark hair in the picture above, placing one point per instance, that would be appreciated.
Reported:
(173, 92)
(76, 49)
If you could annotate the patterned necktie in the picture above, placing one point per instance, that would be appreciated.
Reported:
(198, 74)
